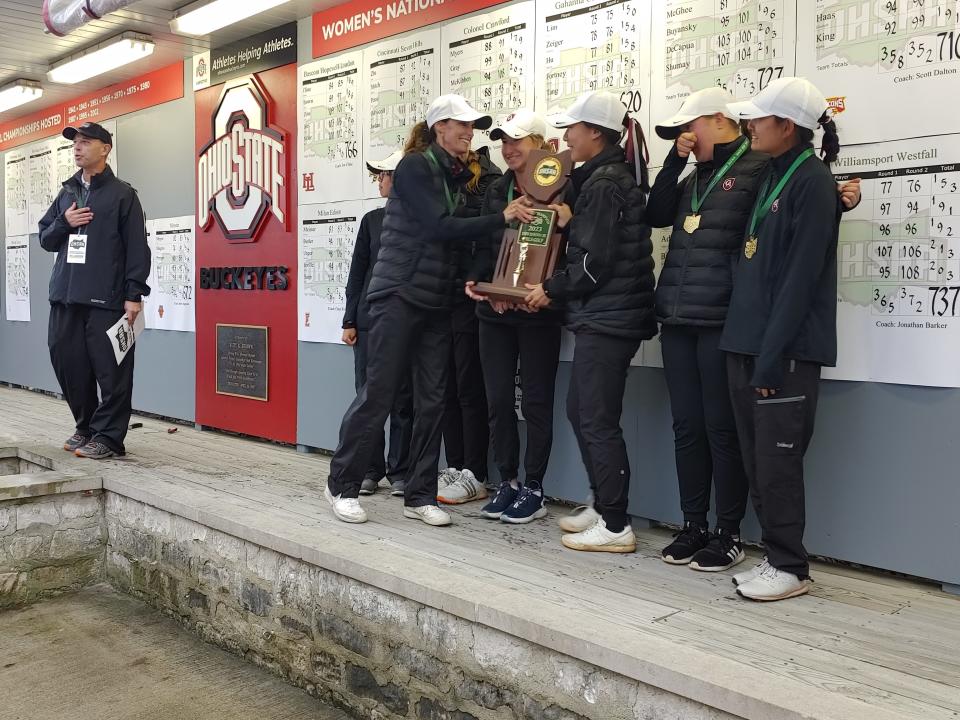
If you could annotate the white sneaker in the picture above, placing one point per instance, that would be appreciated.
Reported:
(598, 539)
(346, 509)
(746, 576)
(580, 519)
(430, 514)
(463, 489)
(447, 477)
(773, 584)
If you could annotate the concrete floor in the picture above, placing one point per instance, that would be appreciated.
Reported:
(99, 655)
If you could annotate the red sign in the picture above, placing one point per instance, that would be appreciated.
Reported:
(153, 88)
(356, 23)
(246, 139)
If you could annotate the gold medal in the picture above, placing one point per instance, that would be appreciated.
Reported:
(750, 249)
(691, 223)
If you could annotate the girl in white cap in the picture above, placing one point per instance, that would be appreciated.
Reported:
(781, 326)
(410, 296)
(356, 325)
(509, 333)
(607, 284)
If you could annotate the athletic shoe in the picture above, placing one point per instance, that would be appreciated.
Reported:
(685, 545)
(526, 508)
(598, 539)
(465, 488)
(430, 514)
(75, 441)
(446, 478)
(748, 575)
(397, 488)
(722, 552)
(346, 509)
(505, 497)
(369, 486)
(580, 518)
(773, 584)
(94, 450)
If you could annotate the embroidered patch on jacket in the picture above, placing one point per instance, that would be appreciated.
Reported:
(729, 183)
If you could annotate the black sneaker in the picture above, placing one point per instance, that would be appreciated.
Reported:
(75, 441)
(94, 451)
(526, 508)
(397, 488)
(369, 485)
(686, 544)
(721, 553)
(505, 497)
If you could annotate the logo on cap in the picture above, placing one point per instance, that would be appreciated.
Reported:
(547, 172)
(241, 172)
(729, 183)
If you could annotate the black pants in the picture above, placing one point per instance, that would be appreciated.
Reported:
(402, 339)
(401, 421)
(704, 429)
(774, 434)
(83, 358)
(594, 405)
(466, 435)
(538, 350)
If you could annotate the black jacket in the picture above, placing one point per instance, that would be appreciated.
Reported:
(696, 280)
(417, 259)
(488, 249)
(607, 280)
(118, 257)
(365, 249)
(784, 304)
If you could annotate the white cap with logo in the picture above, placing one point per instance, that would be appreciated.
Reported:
(597, 108)
(792, 98)
(388, 164)
(708, 101)
(454, 107)
(523, 123)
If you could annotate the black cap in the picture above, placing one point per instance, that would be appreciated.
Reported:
(90, 130)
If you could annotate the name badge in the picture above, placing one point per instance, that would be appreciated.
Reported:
(77, 249)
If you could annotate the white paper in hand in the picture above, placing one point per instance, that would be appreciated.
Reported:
(122, 336)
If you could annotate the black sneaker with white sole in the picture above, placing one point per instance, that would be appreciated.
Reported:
(721, 553)
(686, 543)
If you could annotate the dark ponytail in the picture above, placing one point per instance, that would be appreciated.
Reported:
(419, 139)
(830, 147)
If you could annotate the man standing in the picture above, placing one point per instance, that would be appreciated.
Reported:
(97, 228)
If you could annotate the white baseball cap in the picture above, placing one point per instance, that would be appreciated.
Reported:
(520, 124)
(388, 164)
(792, 98)
(597, 108)
(454, 107)
(708, 101)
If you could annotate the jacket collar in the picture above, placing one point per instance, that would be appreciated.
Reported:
(74, 182)
(782, 162)
(721, 153)
(608, 156)
(451, 166)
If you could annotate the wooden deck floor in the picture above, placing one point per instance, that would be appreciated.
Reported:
(888, 643)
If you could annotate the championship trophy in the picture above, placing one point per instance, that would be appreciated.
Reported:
(528, 253)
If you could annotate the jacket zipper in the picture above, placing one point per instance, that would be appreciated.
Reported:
(780, 401)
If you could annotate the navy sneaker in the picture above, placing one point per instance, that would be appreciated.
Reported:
(505, 497)
(526, 508)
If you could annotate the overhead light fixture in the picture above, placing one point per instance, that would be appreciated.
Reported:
(19, 93)
(203, 19)
(116, 52)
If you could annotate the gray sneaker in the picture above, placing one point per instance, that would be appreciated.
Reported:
(397, 488)
(369, 486)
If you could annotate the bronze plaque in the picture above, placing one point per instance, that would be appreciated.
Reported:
(242, 361)
(529, 252)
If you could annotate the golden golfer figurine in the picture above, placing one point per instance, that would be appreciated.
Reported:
(529, 252)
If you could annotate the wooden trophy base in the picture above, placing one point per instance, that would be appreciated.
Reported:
(509, 285)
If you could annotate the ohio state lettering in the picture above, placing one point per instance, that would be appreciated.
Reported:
(240, 173)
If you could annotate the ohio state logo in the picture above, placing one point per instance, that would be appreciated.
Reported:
(241, 171)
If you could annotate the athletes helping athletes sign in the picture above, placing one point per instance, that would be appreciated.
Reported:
(241, 172)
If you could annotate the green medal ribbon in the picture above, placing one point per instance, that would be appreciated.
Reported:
(452, 202)
(765, 202)
(696, 202)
